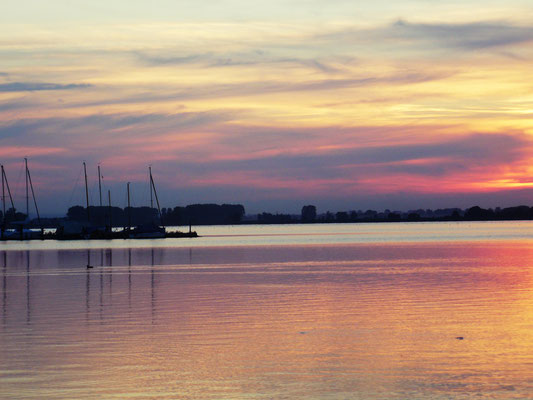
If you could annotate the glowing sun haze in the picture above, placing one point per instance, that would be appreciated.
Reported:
(342, 104)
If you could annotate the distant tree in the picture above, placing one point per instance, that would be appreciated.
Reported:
(370, 214)
(12, 215)
(77, 213)
(393, 216)
(342, 216)
(353, 216)
(213, 213)
(308, 213)
(519, 212)
(268, 218)
(477, 213)
(413, 216)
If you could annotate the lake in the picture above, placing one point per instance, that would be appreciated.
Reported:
(321, 311)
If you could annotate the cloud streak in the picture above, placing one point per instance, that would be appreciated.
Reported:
(35, 86)
(472, 36)
(434, 36)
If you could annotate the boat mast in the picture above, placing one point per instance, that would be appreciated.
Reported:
(100, 185)
(28, 177)
(4, 179)
(152, 185)
(110, 210)
(5, 182)
(27, 195)
(86, 191)
(151, 196)
(129, 207)
(3, 196)
(3, 207)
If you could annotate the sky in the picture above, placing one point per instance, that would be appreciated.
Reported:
(342, 104)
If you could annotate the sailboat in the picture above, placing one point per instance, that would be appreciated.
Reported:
(5, 234)
(20, 233)
(153, 230)
(77, 229)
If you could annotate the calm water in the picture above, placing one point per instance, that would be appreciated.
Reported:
(368, 311)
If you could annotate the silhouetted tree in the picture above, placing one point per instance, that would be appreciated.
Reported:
(308, 213)
(268, 218)
(12, 215)
(394, 216)
(519, 212)
(370, 214)
(413, 217)
(477, 213)
(77, 213)
(341, 216)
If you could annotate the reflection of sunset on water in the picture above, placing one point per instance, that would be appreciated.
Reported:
(356, 320)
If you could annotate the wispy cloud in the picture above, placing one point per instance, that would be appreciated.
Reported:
(467, 36)
(249, 58)
(158, 59)
(96, 132)
(16, 105)
(454, 154)
(35, 86)
(264, 87)
(14, 152)
(405, 34)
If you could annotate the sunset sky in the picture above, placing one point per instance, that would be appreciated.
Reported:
(342, 104)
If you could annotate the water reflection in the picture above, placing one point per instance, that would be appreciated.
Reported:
(87, 295)
(129, 278)
(152, 285)
(333, 321)
(28, 288)
(4, 287)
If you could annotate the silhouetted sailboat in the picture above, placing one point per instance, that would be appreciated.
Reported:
(21, 232)
(154, 230)
(5, 185)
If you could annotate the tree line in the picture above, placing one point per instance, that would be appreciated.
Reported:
(227, 214)
(309, 215)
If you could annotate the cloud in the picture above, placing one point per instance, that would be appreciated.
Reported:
(33, 86)
(245, 58)
(259, 88)
(156, 60)
(455, 155)
(16, 105)
(101, 132)
(404, 34)
(466, 36)
(17, 152)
